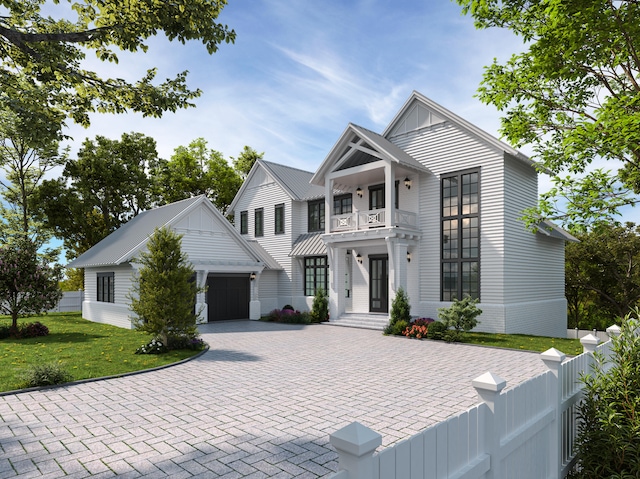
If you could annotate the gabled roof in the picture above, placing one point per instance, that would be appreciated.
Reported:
(293, 181)
(380, 144)
(126, 242)
(441, 113)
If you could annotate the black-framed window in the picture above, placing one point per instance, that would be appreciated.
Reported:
(316, 274)
(342, 204)
(279, 218)
(259, 222)
(106, 287)
(460, 223)
(244, 222)
(316, 215)
(377, 195)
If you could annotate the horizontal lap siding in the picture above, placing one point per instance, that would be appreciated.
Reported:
(116, 313)
(445, 149)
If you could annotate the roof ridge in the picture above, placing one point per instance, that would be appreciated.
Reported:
(286, 166)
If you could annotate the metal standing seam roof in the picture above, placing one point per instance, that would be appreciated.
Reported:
(294, 180)
(309, 244)
(123, 244)
(261, 253)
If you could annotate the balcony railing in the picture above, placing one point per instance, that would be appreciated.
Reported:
(362, 220)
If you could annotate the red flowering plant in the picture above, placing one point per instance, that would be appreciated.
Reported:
(418, 328)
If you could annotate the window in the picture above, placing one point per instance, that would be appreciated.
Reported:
(316, 272)
(316, 215)
(259, 219)
(342, 204)
(279, 218)
(376, 196)
(460, 236)
(105, 287)
(244, 222)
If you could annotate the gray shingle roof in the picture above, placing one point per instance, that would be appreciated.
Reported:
(123, 244)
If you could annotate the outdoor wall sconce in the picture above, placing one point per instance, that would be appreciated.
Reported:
(407, 183)
(252, 276)
(359, 192)
(359, 258)
(408, 257)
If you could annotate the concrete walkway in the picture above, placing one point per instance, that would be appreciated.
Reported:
(261, 403)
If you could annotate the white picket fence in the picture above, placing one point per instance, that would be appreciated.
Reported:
(525, 432)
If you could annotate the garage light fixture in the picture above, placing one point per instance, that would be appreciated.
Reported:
(252, 276)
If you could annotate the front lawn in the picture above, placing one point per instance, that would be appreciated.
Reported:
(570, 347)
(84, 349)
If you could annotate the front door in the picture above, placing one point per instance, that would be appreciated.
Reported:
(379, 284)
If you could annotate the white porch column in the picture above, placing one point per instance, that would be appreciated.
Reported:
(202, 308)
(389, 194)
(254, 303)
(393, 264)
(401, 266)
(334, 288)
(328, 204)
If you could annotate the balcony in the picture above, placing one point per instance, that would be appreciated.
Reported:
(363, 220)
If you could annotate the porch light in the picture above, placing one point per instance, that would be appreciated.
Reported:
(408, 257)
(359, 192)
(359, 258)
(252, 276)
(407, 183)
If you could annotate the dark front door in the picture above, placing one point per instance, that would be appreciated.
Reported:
(378, 284)
(228, 297)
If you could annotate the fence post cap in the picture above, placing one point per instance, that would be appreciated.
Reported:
(590, 339)
(614, 330)
(553, 355)
(489, 382)
(355, 439)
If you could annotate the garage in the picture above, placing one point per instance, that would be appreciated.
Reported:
(228, 296)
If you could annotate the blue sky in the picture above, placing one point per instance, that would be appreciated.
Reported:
(300, 71)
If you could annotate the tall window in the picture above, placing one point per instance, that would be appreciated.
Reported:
(342, 204)
(460, 236)
(259, 219)
(376, 196)
(105, 287)
(244, 222)
(279, 218)
(316, 215)
(316, 273)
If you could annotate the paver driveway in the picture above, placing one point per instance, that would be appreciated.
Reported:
(261, 403)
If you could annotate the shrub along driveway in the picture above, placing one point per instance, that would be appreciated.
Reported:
(261, 403)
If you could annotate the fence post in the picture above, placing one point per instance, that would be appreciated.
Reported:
(355, 444)
(613, 331)
(553, 358)
(590, 343)
(488, 386)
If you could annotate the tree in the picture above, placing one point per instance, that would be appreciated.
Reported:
(48, 52)
(28, 285)
(607, 442)
(603, 274)
(574, 94)
(460, 317)
(400, 314)
(163, 297)
(28, 151)
(245, 161)
(104, 188)
(197, 170)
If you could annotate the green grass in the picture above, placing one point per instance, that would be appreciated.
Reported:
(85, 349)
(570, 347)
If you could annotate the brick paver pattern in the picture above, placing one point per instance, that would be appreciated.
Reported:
(261, 403)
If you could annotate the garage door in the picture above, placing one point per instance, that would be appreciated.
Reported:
(228, 297)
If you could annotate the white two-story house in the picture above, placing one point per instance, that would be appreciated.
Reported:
(431, 205)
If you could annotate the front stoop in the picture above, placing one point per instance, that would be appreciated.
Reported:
(377, 321)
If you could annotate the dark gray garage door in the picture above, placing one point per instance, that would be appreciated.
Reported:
(228, 297)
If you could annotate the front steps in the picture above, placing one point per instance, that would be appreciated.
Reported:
(377, 321)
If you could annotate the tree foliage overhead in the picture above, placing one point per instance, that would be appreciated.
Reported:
(574, 94)
(48, 51)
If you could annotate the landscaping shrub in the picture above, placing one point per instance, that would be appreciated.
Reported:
(46, 375)
(288, 316)
(607, 442)
(460, 317)
(5, 331)
(320, 307)
(437, 330)
(289, 307)
(186, 342)
(28, 330)
(396, 328)
(400, 311)
(155, 346)
(418, 328)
